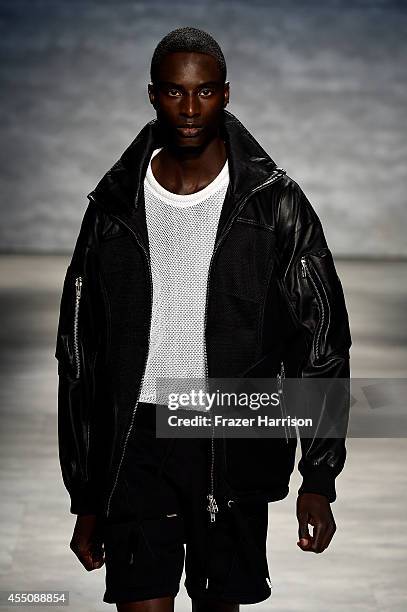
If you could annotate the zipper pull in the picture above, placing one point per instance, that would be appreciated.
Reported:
(78, 285)
(212, 507)
(304, 267)
(280, 376)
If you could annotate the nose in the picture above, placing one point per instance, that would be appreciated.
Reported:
(190, 106)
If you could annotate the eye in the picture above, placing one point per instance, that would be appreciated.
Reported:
(207, 92)
(172, 92)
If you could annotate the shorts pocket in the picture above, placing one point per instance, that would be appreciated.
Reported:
(163, 536)
(118, 538)
(144, 554)
(159, 555)
(252, 525)
(222, 550)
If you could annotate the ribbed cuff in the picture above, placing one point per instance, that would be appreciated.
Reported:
(320, 480)
(85, 501)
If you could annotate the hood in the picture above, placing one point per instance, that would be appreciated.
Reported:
(120, 189)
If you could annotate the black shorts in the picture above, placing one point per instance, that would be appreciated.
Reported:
(160, 506)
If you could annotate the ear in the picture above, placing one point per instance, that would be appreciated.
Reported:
(151, 93)
(226, 94)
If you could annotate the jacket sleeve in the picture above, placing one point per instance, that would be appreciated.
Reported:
(316, 300)
(78, 346)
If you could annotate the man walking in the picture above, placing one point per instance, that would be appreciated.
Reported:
(197, 257)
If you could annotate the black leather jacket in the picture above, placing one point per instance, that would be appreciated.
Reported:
(274, 307)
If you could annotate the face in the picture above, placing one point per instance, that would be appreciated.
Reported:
(189, 97)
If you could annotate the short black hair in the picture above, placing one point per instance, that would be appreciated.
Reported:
(187, 39)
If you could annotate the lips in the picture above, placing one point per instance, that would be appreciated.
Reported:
(189, 132)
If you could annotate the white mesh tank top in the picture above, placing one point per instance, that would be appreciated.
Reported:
(181, 233)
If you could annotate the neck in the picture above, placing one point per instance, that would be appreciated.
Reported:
(187, 169)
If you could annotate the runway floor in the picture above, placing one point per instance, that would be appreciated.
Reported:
(364, 569)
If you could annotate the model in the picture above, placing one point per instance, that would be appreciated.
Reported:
(197, 257)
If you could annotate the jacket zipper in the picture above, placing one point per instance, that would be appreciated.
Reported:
(212, 506)
(280, 377)
(78, 291)
(144, 368)
(309, 271)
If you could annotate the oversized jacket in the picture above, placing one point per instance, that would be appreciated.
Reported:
(274, 307)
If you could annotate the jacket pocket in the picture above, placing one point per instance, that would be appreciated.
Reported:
(78, 293)
(68, 346)
(77, 356)
(309, 272)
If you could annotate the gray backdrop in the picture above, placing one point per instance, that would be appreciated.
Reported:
(321, 85)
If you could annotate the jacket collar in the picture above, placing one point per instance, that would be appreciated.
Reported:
(121, 188)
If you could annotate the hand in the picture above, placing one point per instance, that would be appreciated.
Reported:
(87, 542)
(315, 510)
